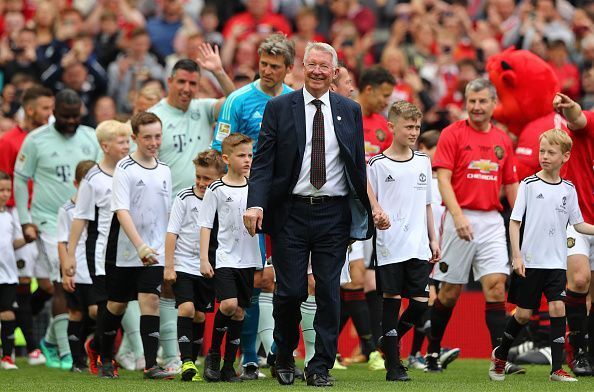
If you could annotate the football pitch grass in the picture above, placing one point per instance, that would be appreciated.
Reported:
(462, 375)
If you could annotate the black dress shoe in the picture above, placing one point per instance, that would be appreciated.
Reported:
(318, 380)
(285, 376)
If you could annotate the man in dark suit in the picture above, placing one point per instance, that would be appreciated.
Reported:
(308, 191)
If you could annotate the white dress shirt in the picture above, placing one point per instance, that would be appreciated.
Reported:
(336, 183)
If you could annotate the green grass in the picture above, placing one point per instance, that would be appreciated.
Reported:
(462, 375)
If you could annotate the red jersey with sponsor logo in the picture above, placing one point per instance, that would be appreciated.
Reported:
(580, 167)
(376, 134)
(480, 163)
(10, 144)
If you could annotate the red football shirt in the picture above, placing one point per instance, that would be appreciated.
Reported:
(580, 168)
(480, 163)
(10, 144)
(376, 134)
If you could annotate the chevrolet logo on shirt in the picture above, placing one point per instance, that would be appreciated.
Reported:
(484, 166)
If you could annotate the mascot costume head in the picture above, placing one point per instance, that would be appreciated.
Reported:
(525, 85)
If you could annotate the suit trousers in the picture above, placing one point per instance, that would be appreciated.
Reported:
(322, 231)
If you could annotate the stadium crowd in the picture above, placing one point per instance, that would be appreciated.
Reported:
(98, 94)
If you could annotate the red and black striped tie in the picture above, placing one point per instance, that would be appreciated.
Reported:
(317, 175)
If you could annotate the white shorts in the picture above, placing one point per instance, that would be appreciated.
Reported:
(48, 260)
(27, 264)
(486, 253)
(367, 251)
(580, 244)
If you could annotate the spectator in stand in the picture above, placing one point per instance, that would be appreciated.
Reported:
(43, 23)
(353, 11)
(162, 28)
(132, 68)
(257, 19)
(70, 24)
(209, 23)
(103, 110)
(409, 86)
(306, 24)
(78, 70)
(353, 50)
(107, 39)
(586, 56)
(587, 101)
(567, 73)
(9, 101)
(453, 100)
(22, 56)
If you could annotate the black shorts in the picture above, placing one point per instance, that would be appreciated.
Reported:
(235, 283)
(81, 298)
(98, 292)
(408, 279)
(195, 289)
(7, 296)
(124, 283)
(527, 292)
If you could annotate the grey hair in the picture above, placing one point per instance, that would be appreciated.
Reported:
(322, 47)
(480, 84)
(278, 45)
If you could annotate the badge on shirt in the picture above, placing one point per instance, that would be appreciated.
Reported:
(224, 131)
(380, 135)
(498, 152)
(570, 242)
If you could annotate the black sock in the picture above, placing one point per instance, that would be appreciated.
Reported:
(412, 315)
(557, 341)
(356, 307)
(219, 328)
(38, 300)
(185, 337)
(149, 331)
(391, 309)
(24, 315)
(374, 305)
(111, 324)
(512, 329)
(440, 317)
(75, 340)
(495, 319)
(100, 321)
(198, 332)
(232, 341)
(7, 336)
(419, 333)
(575, 309)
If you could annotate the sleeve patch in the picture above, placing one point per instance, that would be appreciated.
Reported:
(223, 131)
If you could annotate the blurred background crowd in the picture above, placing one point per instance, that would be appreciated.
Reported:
(110, 51)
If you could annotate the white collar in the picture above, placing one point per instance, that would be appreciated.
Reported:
(307, 97)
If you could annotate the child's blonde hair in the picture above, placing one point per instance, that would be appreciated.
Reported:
(404, 110)
(558, 137)
(110, 129)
